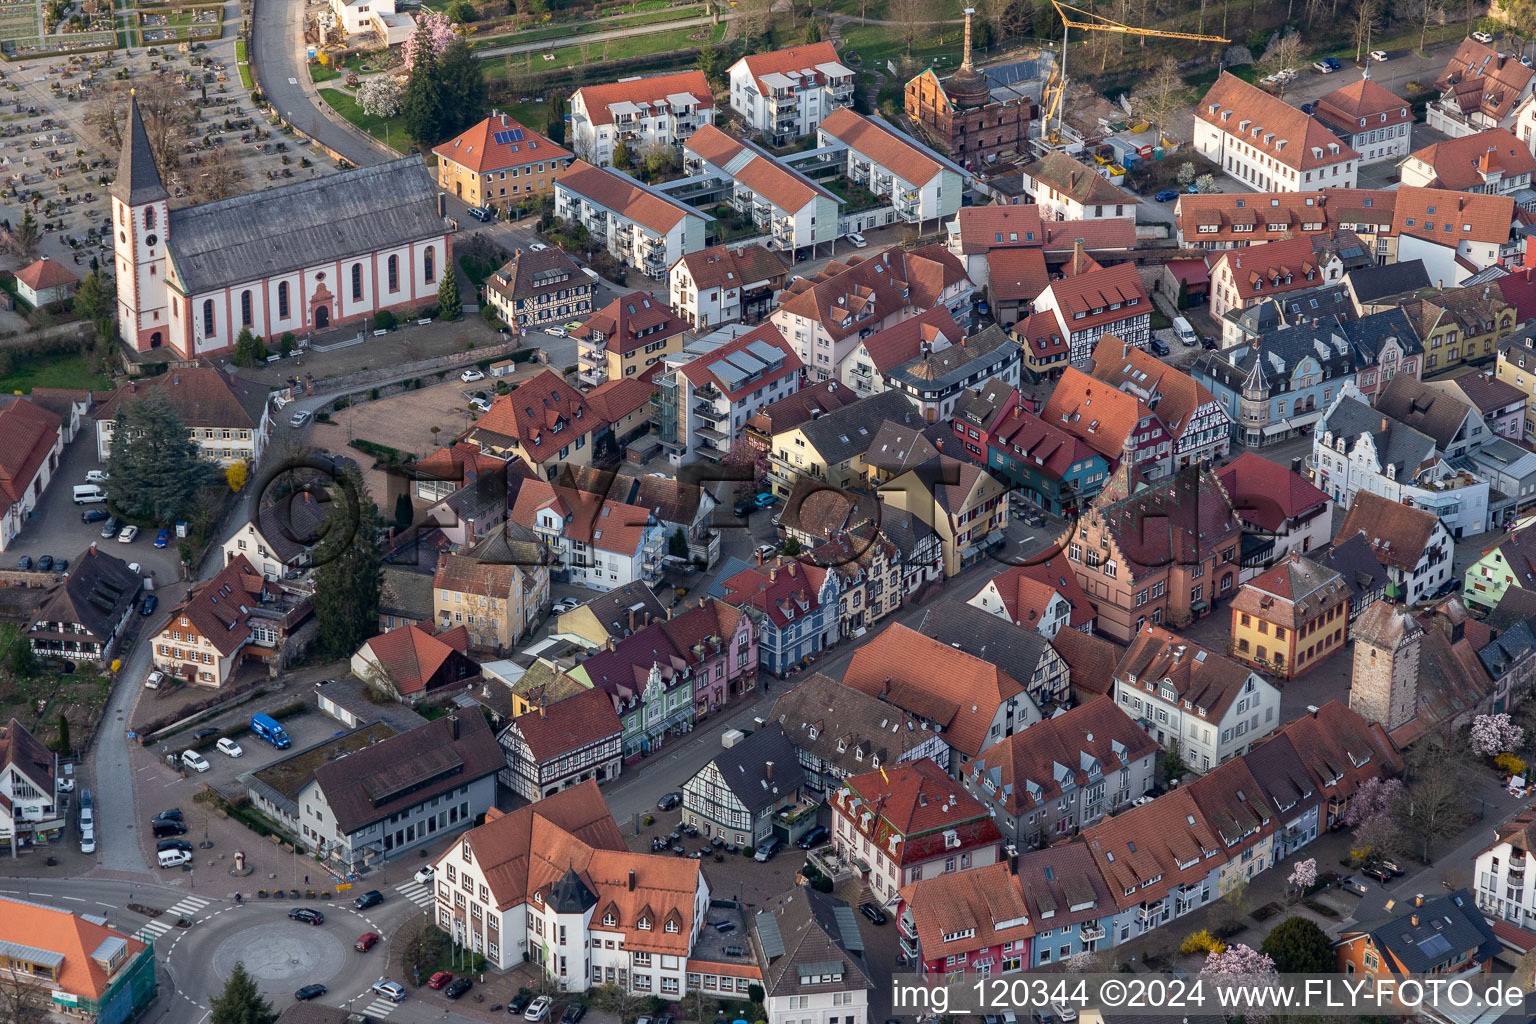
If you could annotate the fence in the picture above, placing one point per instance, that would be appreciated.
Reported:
(365, 378)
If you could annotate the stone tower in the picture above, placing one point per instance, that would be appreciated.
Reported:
(1384, 687)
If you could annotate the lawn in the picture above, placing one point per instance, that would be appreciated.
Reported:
(937, 45)
(322, 73)
(244, 65)
(56, 371)
(613, 49)
(582, 28)
(346, 105)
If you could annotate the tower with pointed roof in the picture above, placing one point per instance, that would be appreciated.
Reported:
(140, 224)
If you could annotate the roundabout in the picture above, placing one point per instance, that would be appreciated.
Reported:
(282, 957)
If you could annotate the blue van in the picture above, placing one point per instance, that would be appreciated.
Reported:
(268, 729)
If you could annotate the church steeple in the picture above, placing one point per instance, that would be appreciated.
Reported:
(138, 179)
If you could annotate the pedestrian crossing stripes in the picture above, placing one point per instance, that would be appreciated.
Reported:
(380, 1008)
(189, 906)
(419, 894)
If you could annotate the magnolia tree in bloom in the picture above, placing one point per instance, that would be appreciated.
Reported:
(1375, 797)
(1495, 734)
(380, 97)
(432, 29)
(1304, 875)
(1239, 961)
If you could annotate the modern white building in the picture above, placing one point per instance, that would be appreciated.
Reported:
(638, 225)
(593, 541)
(665, 109)
(553, 884)
(1506, 889)
(920, 184)
(1204, 704)
(703, 401)
(812, 957)
(795, 212)
(1268, 144)
(784, 94)
(719, 285)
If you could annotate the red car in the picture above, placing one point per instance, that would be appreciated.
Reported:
(365, 941)
(439, 979)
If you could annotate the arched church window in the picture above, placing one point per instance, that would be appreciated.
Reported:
(282, 299)
(208, 317)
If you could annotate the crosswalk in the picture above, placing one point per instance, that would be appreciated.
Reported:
(419, 894)
(380, 1007)
(188, 907)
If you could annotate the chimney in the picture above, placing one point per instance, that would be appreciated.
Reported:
(542, 712)
(1414, 920)
(631, 879)
(631, 620)
(759, 557)
(1296, 465)
(453, 726)
(967, 61)
(768, 770)
(1077, 255)
(442, 204)
(612, 643)
(1418, 901)
(885, 687)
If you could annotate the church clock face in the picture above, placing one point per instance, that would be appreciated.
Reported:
(150, 240)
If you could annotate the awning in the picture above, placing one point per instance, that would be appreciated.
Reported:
(1306, 419)
(1271, 429)
(1198, 606)
(995, 537)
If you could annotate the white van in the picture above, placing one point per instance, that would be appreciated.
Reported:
(89, 494)
(1185, 332)
(87, 840)
(174, 858)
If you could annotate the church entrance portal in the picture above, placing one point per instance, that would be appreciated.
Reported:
(322, 318)
(154, 340)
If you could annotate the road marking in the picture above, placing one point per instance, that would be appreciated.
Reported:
(293, 81)
(72, 899)
(417, 893)
(380, 1008)
(111, 905)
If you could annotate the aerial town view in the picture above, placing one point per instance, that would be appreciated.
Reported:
(767, 511)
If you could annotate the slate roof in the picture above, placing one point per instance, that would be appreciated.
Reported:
(1487, 393)
(96, 593)
(1018, 651)
(743, 768)
(1355, 560)
(1448, 928)
(1428, 410)
(407, 593)
(21, 750)
(1383, 280)
(409, 768)
(1396, 444)
(530, 274)
(138, 179)
(817, 936)
(820, 714)
(849, 431)
(313, 221)
(897, 448)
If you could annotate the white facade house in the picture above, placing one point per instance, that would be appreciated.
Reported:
(814, 970)
(794, 211)
(637, 112)
(719, 285)
(1506, 889)
(1480, 88)
(1368, 117)
(594, 542)
(30, 807)
(703, 401)
(639, 226)
(784, 94)
(553, 885)
(226, 416)
(376, 16)
(1268, 144)
(920, 184)
(34, 439)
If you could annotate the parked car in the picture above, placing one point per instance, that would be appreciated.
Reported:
(1167, 195)
(480, 213)
(814, 837)
(206, 733)
(95, 515)
(741, 509)
(174, 844)
(1377, 872)
(166, 829)
(669, 801)
(481, 403)
(24, 563)
(1379, 55)
(174, 814)
(857, 240)
(230, 747)
(1349, 883)
(573, 1014)
(151, 602)
(154, 679)
(1307, 108)
(768, 850)
(391, 990)
(129, 535)
(565, 604)
(97, 476)
(471, 375)
(537, 247)
(309, 992)
(366, 941)
(306, 915)
(45, 563)
(298, 419)
(1158, 347)
(424, 876)
(571, 325)
(1391, 866)
(766, 551)
(874, 913)
(539, 1010)
(557, 331)
(439, 979)
(457, 987)
(371, 898)
(520, 1002)
(764, 499)
(195, 761)
(110, 527)
(1482, 37)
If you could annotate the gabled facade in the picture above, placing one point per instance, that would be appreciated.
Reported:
(588, 538)
(1441, 937)
(540, 289)
(1241, 279)
(1066, 189)
(498, 163)
(83, 616)
(227, 418)
(839, 731)
(625, 337)
(784, 94)
(1200, 429)
(1054, 469)
(663, 109)
(34, 441)
(639, 226)
(920, 184)
(1368, 117)
(221, 623)
(720, 285)
(1480, 88)
(968, 922)
(545, 424)
(703, 402)
(813, 960)
(561, 744)
(1289, 618)
(1412, 544)
(31, 810)
(1267, 143)
(1091, 304)
(75, 964)
(794, 605)
(793, 210)
(497, 601)
(751, 792)
(1492, 161)
(962, 502)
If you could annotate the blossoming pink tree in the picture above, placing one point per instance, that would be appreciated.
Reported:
(1304, 875)
(1239, 961)
(1495, 734)
(432, 29)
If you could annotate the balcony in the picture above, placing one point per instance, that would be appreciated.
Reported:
(594, 376)
(801, 809)
(1091, 932)
(1149, 913)
(705, 411)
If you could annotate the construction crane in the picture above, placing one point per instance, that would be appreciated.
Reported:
(1099, 23)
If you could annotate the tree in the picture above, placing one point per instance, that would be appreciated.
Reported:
(1161, 96)
(1368, 17)
(1495, 734)
(218, 176)
(657, 158)
(621, 1002)
(791, 547)
(449, 306)
(25, 239)
(156, 468)
(63, 744)
(249, 349)
(434, 34)
(422, 104)
(22, 1003)
(1234, 902)
(106, 114)
(1422, 12)
(22, 660)
(240, 1002)
(1239, 961)
(754, 18)
(812, 31)
(1205, 183)
(677, 544)
(460, 11)
(236, 476)
(621, 157)
(1434, 806)
(405, 512)
(96, 302)
(1284, 51)
(424, 947)
(461, 84)
(1185, 175)
(380, 96)
(346, 600)
(1304, 875)
(910, 16)
(1298, 946)
(554, 122)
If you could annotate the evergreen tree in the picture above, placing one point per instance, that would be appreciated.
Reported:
(554, 125)
(23, 660)
(422, 105)
(346, 600)
(240, 1002)
(677, 544)
(249, 349)
(26, 239)
(1298, 946)
(156, 469)
(449, 306)
(461, 84)
(405, 513)
(63, 745)
(621, 157)
(791, 546)
(96, 302)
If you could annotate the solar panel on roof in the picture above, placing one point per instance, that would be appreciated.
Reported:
(728, 373)
(745, 362)
(1434, 947)
(510, 135)
(764, 351)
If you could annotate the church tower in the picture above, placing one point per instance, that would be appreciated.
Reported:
(140, 224)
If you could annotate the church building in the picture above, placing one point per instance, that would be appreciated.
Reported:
(303, 257)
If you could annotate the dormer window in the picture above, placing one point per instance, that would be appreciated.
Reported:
(608, 921)
(645, 924)
(672, 926)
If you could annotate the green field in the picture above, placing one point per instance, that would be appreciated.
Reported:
(578, 55)
(243, 64)
(55, 371)
(346, 105)
(566, 30)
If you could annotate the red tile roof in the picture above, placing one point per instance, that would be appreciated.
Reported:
(1269, 125)
(794, 59)
(1043, 334)
(1209, 681)
(783, 589)
(1271, 267)
(699, 371)
(1098, 235)
(615, 399)
(983, 907)
(1519, 290)
(1049, 450)
(544, 414)
(1266, 494)
(632, 322)
(1090, 659)
(1482, 80)
(844, 289)
(641, 91)
(1472, 216)
(569, 725)
(1137, 371)
(44, 274)
(75, 938)
(1182, 520)
(1104, 296)
(1398, 534)
(477, 148)
(895, 345)
(1017, 274)
(874, 140)
(761, 173)
(935, 681)
(1344, 107)
(217, 609)
(911, 806)
(985, 228)
(1468, 162)
(1102, 415)
(623, 196)
(413, 654)
(720, 266)
(30, 433)
(590, 518)
(1145, 852)
(1024, 588)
